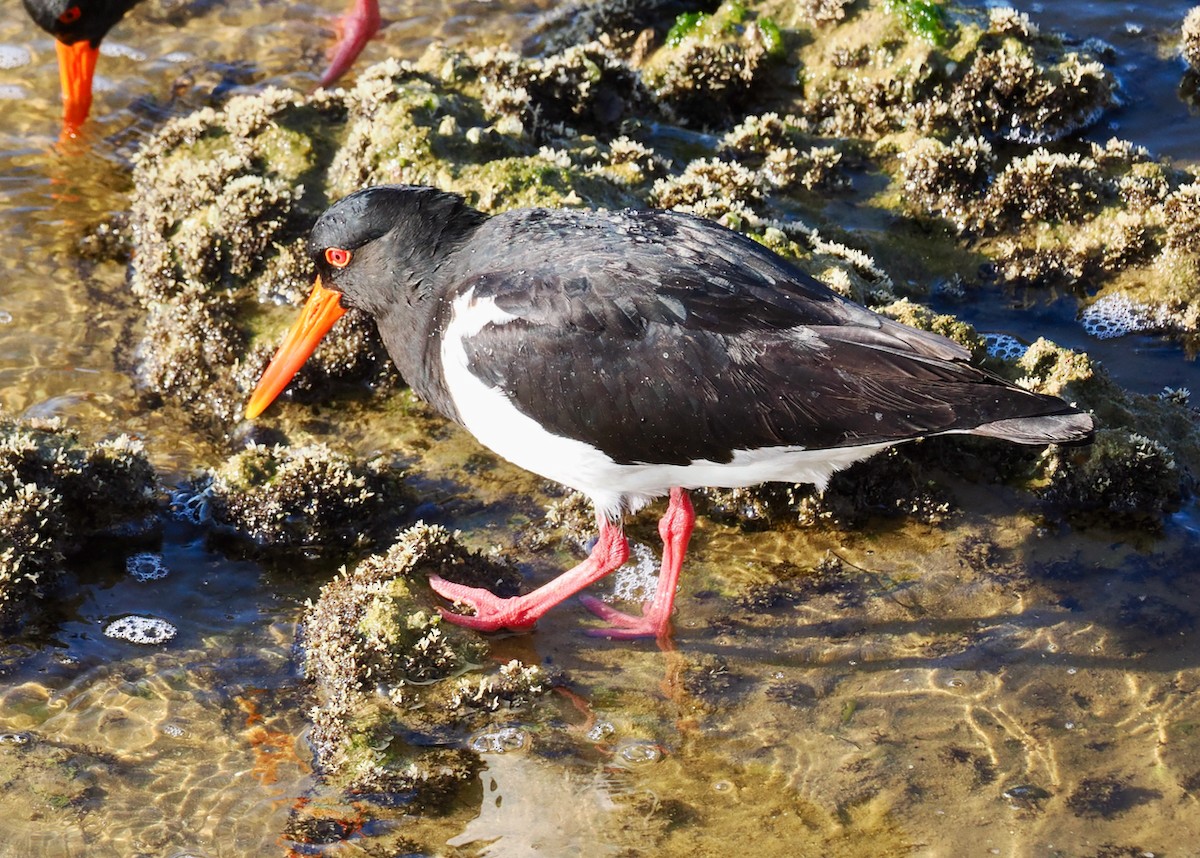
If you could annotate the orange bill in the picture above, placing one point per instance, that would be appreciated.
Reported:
(317, 317)
(76, 64)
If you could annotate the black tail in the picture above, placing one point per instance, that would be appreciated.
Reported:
(1072, 427)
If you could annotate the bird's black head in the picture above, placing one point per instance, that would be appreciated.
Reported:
(379, 243)
(72, 21)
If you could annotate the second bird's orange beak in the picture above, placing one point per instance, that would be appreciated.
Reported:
(76, 65)
(320, 312)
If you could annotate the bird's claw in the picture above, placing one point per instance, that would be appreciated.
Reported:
(622, 626)
(492, 613)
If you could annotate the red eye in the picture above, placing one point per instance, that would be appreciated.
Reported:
(337, 257)
(70, 16)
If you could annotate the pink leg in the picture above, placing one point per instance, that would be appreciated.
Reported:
(675, 528)
(355, 29)
(493, 613)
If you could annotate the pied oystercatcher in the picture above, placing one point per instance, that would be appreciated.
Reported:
(632, 354)
(80, 25)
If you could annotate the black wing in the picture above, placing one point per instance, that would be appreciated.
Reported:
(662, 338)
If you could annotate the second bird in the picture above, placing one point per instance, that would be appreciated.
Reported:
(80, 25)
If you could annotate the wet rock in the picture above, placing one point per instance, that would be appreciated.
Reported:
(904, 66)
(1190, 46)
(570, 519)
(917, 316)
(1031, 91)
(710, 66)
(824, 11)
(581, 89)
(1127, 479)
(724, 191)
(892, 484)
(284, 498)
(751, 508)
(620, 21)
(1044, 186)
(948, 179)
(384, 665)
(55, 493)
(217, 193)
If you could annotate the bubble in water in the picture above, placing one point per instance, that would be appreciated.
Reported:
(13, 57)
(722, 786)
(601, 730)
(5, 317)
(17, 740)
(640, 752)
(1116, 315)
(116, 49)
(146, 566)
(636, 582)
(140, 630)
(1004, 346)
(174, 731)
(192, 503)
(500, 741)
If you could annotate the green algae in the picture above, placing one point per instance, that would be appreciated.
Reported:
(925, 18)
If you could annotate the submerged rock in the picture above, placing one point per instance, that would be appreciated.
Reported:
(55, 493)
(1127, 479)
(383, 664)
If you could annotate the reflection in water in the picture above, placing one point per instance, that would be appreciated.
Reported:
(983, 688)
(531, 808)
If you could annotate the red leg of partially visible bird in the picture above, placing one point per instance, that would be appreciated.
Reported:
(675, 528)
(493, 613)
(355, 29)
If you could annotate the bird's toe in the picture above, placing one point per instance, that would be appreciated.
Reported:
(492, 613)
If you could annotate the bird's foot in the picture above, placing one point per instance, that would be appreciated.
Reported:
(622, 626)
(492, 613)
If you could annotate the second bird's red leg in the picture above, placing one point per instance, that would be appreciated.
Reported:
(355, 29)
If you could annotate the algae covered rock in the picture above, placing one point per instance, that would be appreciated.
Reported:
(286, 498)
(221, 199)
(384, 665)
(914, 66)
(1190, 47)
(712, 65)
(56, 492)
(1127, 479)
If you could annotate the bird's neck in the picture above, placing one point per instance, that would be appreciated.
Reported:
(411, 331)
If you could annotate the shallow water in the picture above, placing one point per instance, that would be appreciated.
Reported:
(983, 688)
